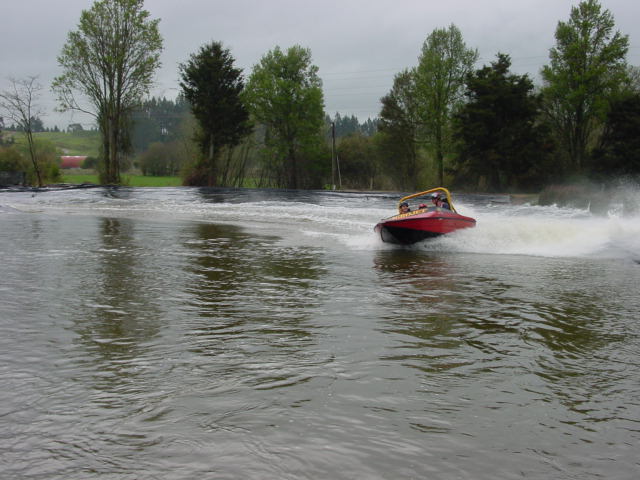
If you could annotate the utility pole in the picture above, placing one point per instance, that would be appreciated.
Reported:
(333, 155)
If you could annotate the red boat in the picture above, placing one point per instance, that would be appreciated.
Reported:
(427, 221)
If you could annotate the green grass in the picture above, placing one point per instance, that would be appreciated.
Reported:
(78, 143)
(142, 181)
(78, 179)
(130, 180)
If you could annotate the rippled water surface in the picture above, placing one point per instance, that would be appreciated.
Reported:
(233, 334)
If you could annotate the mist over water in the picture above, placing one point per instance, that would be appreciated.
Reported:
(212, 333)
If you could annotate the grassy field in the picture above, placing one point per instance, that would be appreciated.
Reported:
(78, 143)
(88, 143)
(130, 180)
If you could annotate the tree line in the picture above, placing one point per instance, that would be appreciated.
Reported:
(490, 129)
(444, 121)
(163, 130)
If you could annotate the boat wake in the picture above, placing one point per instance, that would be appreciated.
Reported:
(346, 221)
(545, 232)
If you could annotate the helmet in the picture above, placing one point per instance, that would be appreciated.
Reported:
(404, 204)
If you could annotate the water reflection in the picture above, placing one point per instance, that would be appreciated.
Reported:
(543, 341)
(252, 300)
(119, 193)
(579, 364)
(531, 309)
(417, 287)
(118, 317)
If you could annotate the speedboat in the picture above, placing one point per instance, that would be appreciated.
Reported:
(426, 221)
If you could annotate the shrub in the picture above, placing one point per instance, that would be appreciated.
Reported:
(90, 163)
(161, 159)
(48, 156)
(11, 160)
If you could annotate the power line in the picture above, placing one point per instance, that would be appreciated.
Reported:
(393, 70)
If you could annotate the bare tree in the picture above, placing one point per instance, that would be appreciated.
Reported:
(19, 104)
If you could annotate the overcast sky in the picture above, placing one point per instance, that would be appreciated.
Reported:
(358, 45)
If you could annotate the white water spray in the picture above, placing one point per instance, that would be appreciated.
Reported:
(347, 220)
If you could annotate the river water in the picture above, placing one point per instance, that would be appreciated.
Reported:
(184, 333)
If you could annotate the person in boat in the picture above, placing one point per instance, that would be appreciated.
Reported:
(404, 208)
(440, 201)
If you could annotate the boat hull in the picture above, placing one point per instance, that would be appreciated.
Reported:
(413, 227)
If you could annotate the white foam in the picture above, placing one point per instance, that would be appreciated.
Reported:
(347, 221)
(546, 232)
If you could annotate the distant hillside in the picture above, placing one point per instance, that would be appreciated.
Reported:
(76, 143)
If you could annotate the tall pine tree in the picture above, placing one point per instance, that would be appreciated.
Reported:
(212, 86)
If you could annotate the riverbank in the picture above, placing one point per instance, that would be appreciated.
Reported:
(87, 180)
(594, 198)
(129, 180)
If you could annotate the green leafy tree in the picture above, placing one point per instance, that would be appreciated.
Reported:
(587, 69)
(499, 136)
(161, 159)
(632, 83)
(399, 129)
(110, 61)
(284, 93)
(357, 156)
(619, 152)
(158, 120)
(443, 66)
(212, 86)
